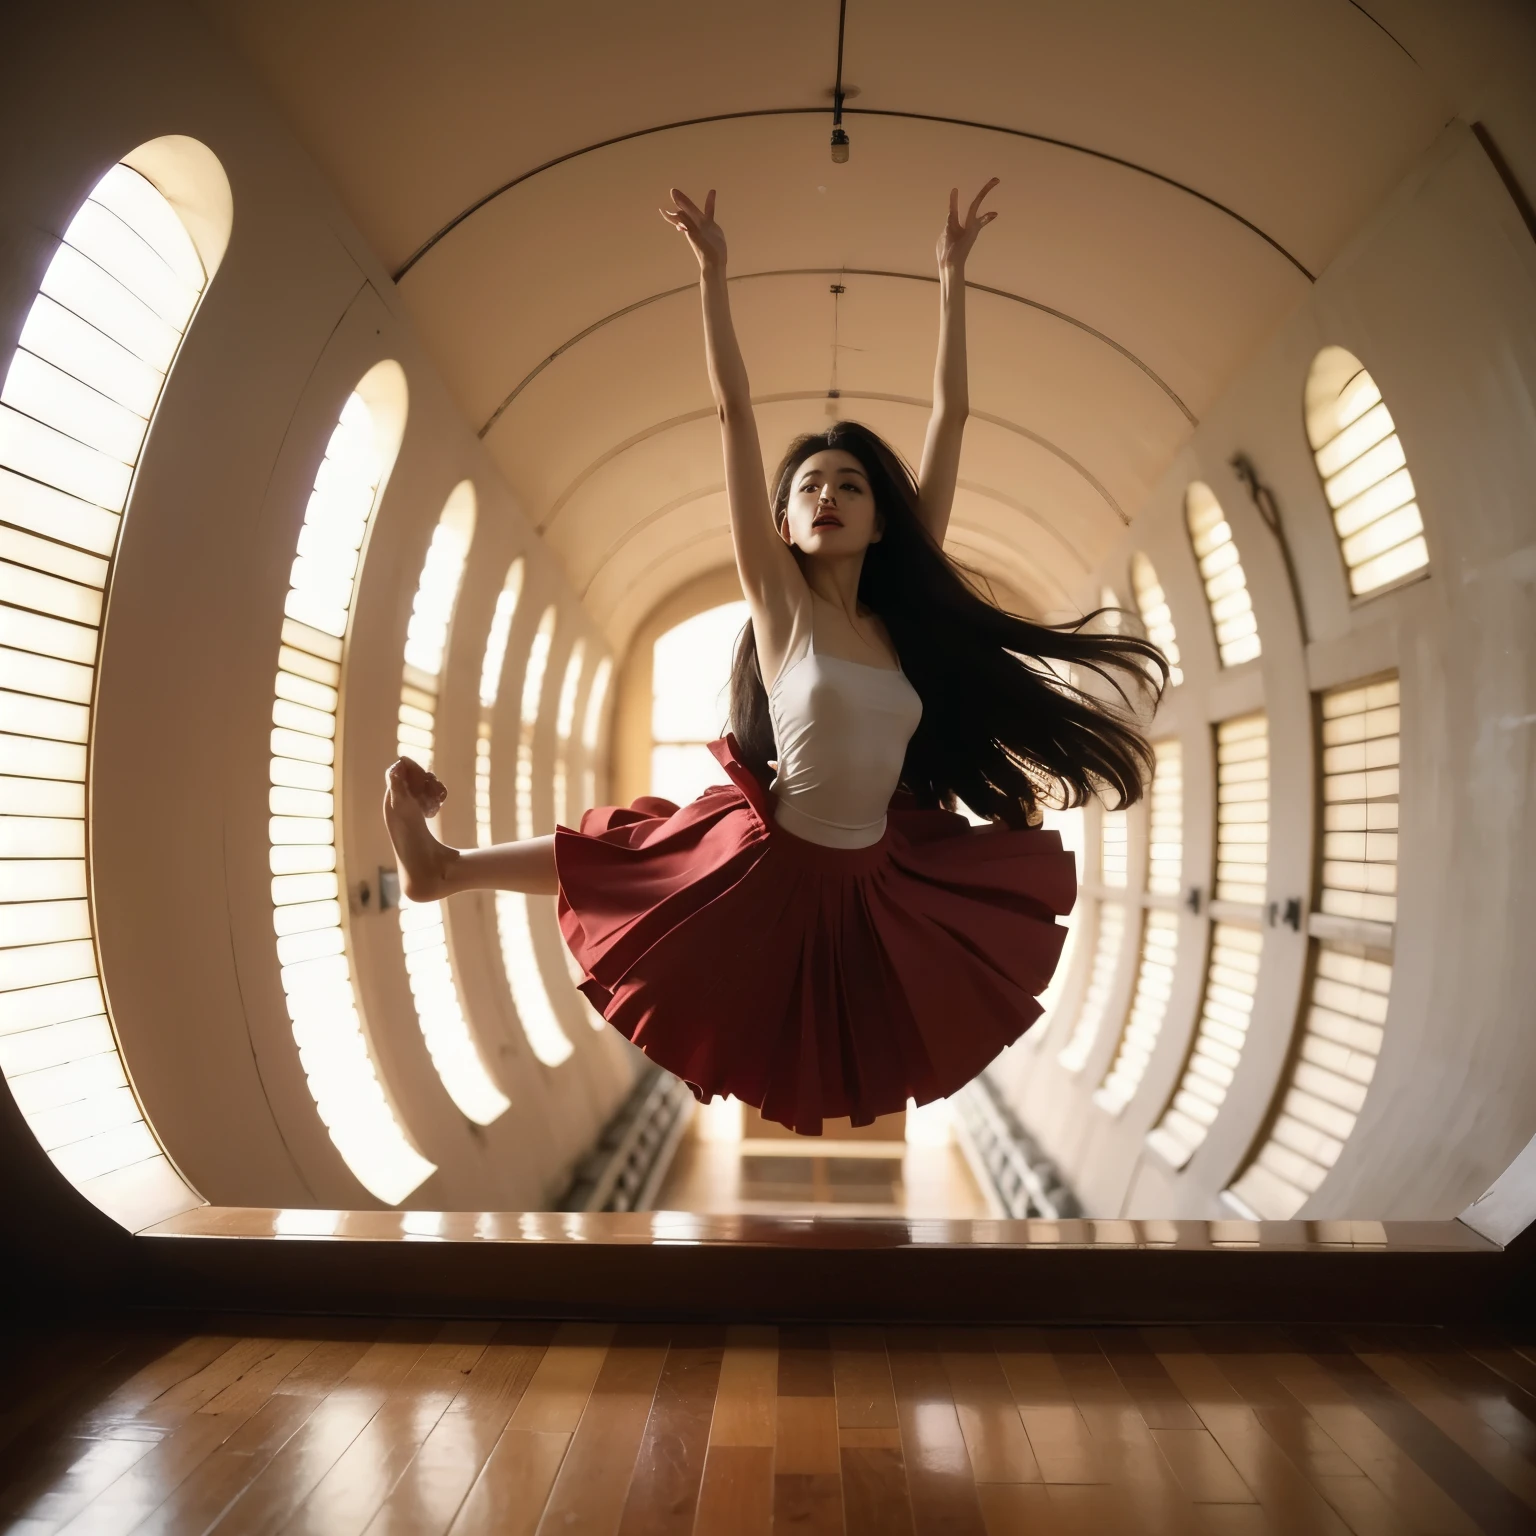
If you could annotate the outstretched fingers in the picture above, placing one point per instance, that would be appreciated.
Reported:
(970, 216)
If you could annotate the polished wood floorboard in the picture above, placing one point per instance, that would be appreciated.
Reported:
(341, 1427)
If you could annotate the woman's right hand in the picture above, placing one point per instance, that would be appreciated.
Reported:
(705, 236)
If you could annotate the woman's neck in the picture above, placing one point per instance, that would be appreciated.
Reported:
(836, 581)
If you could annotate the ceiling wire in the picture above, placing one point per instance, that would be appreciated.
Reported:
(832, 390)
(468, 212)
(837, 93)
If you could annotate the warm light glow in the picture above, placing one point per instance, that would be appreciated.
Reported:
(1165, 820)
(565, 747)
(722, 1119)
(1226, 587)
(307, 909)
(597, 697)
(1114, 848)
(74, 408)
(690, 671)
(1230, 984)
(1069, 826)
(929, 1125)
(439, 1006)
(1364, 473)
(1346, 1014)
(1360, 751)
(1149, 1006)
(565, 720)
(1160, 930)
(1327, 1085)
(520, 963)
(1242, 809)
(529, 994)
(1156, 615)
(1106, 965)
(532, 703)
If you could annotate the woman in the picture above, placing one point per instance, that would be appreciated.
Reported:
(812, 945)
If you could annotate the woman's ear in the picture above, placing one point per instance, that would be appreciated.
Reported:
(879, 532)
(782, 524)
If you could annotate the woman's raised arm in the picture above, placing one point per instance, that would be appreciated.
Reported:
(951, 395)
(769, 575)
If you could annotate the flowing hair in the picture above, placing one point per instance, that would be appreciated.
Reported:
(1002, 728)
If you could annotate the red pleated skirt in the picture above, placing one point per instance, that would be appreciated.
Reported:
(813, 983)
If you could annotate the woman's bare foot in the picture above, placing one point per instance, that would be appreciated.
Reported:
(411, 795)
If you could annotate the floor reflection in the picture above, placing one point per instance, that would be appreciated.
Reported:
(731, 1161)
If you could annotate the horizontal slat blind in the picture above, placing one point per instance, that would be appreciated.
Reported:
(591, 729)
(1342, 1031)
(1149, 1007)
(1106, 963)
(1165, 819)
(1160, 930)
(1242, 809)
(423, 936)
(1230, 985)
(306, 888)
(1327, 1084)
(1221, 571)
(1364, 473)
(76, 404)
(565, 721)
(530, 995)
(1156, 614)
(1360, 753)
(1114, 848)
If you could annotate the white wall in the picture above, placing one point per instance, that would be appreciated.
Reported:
(1437, 296)
(298, 311)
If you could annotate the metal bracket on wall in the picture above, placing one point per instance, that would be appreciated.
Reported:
(1268, 509)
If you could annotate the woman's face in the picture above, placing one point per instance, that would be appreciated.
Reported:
(831, 510)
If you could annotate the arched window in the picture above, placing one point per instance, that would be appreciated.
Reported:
(1364, 473)
(1110, 917)
(565, 724)
(308, 914)
(1221, 571)
(514, 927)
(591, 730)
(78, 398)
(490, 689)
(691, 666)
(1156, 615)
(1353, 928)
(439, 1008)
(1237, 941)
(1070, 827)
(1160, 931)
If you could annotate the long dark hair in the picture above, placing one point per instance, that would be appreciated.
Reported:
(1001, 730)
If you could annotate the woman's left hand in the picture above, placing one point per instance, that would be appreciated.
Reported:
(957, 238)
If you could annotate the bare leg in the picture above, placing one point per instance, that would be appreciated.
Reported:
(430, 870)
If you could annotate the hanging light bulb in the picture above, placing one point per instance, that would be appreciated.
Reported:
(839, 133)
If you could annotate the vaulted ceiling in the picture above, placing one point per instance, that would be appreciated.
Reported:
(1173, 177)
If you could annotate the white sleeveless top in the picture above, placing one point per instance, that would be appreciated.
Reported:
(841, 729)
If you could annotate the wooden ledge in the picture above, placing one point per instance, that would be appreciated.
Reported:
(678, 1265)
(815, 1232)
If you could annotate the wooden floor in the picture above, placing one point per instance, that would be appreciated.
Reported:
(338, 1426)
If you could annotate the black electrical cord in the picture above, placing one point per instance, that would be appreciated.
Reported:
(839, 133)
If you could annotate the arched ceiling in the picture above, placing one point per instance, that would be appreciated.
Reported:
(1173, 177)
